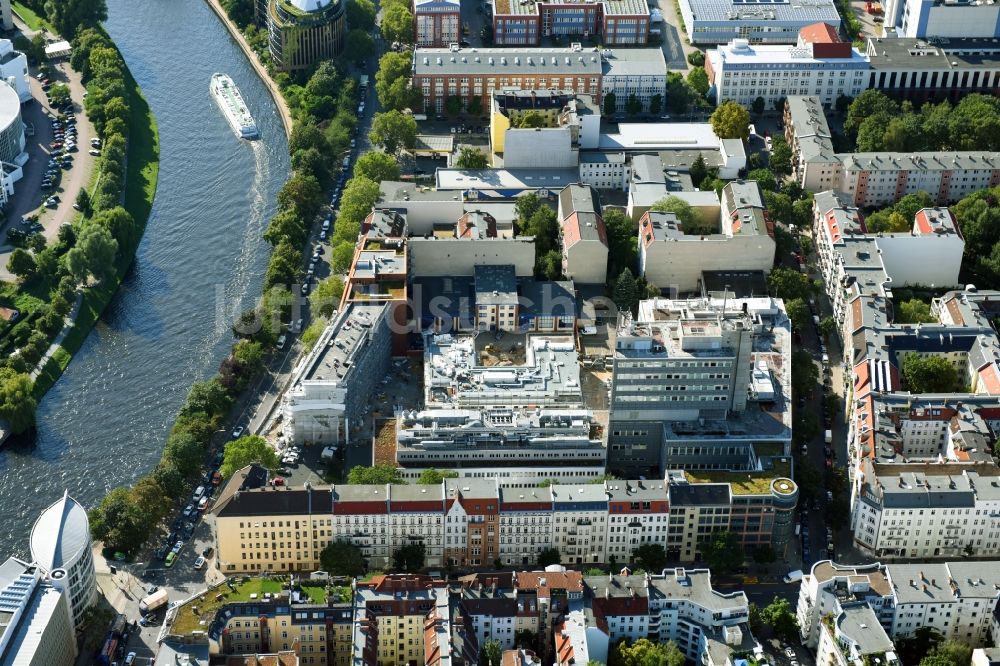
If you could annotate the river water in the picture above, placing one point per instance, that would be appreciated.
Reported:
(105, 421)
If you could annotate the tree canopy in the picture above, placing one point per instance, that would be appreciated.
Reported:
(433, 477)
(377, 167)
(341, 558)
(691, 223)
(731, 120)
(929, 374)
(645, 652)
(17, 402)
(471, 158)
(247, 449)
(788, 283)
(409, 558)
(393, 131)
(376, 474)
(781, 617)
(723, 552)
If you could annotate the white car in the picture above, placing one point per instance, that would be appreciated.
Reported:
(199, 563)
(789, 652)
(95, 152)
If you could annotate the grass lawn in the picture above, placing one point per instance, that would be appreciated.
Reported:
(140, 189)
(316, 593)
(209, 603)
(30, 18)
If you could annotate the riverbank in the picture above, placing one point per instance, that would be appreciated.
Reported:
(141, 175)
(272, 88)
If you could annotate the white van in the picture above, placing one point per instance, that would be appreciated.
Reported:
(198, 494)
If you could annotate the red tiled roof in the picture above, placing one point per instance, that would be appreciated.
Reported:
(819, 33)
(572, 234)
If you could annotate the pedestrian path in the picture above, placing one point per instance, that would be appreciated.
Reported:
(57, 342)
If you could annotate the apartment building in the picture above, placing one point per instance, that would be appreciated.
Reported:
(437, 23)
(819, 65)
(456, 249)
(467, 73)
(697, 383)
(638, 73)
(721, 21)
(880, 179)
(321, 634)
(676, 260)
(401, 619)
(814, 161)
(617, 22)
(926, 510)
(332, 385)
(584, 238)
(570, 122)
(476, 522)
(957, 599)
(930, 253)
(677, 605)
(605, 170)
(936, 68)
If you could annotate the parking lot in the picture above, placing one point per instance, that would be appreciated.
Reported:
(29, 194)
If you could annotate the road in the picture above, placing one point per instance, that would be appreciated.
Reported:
(28, 194)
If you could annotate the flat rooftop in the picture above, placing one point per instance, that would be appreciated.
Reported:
(466, 370)
(661, 136)
(510, 61)
(500, 179)
(754, 56)
(929, 54)
(337, 347)
(634, 62)
(531, 7)
(795, 12)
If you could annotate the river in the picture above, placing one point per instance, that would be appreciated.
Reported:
(104, 422)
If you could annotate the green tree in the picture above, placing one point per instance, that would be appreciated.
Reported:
(286, 225)
(633, 106)
(948, 653)
(929, 374)
(377, 167)
(284, 266)
(548, 557)
(22, 264)
(691, 222)
(359, 44)
(93, 254)
(913, 648)
(723, 552)
(393, 131)
(118, 522)
(804, 372)
(696, 58)
(357, 199)
(491, 653)
(870, 103)
(170, 479)
(788, 283)
(651, 556)
(645, 652)
(17, 401)
(798, 314)
(208, 397)
(526, 206)
(698, 170)
(433, 477)
(361, 14)
(731, 120)
(185, 452)
(67, 16)
(341, 257)
(475, 106)
(623, 252)
(656, 104)
(303, 194)
(764, 178)
(150, 499)
(340, 558)
(625, 294)
(697, 78)
(397, 24)
(392, 81)
(471, 158)
(246, 450)
(781, 156)
(827, 326)
(376, 474)
(325, 298)
(779, 615)
(83, 202)
(764, 554)
(409, 558)
(758, 105)
(453, 105)
(679, 93)
(913, 311)
(530, 120)
(240, 11)
(610, 104)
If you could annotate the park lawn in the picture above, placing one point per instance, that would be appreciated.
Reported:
(30, 18)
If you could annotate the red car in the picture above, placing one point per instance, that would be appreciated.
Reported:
(55, 144)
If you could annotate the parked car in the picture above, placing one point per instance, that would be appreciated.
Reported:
(171, 559)
(208, 552)
(237, 432)
(95, 152)
(199, 563)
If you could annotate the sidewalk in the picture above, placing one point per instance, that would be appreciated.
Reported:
(57, 341)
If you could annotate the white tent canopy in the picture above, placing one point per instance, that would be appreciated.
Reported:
(58, 50)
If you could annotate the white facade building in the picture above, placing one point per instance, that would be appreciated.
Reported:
(14, 67)
(956, 18)
(742, 72)
(880, 179)
(61, 548)
(36, 626)
(638, 72)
